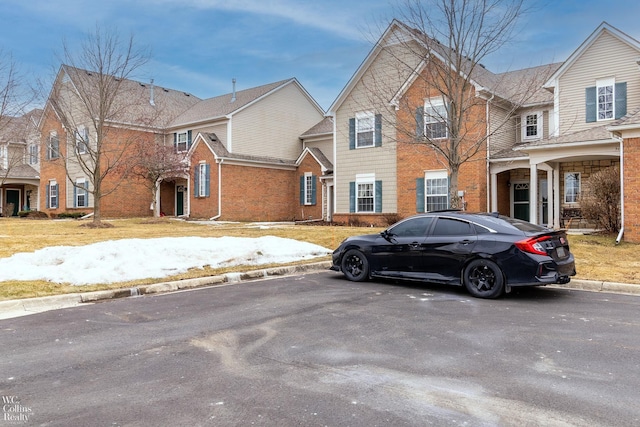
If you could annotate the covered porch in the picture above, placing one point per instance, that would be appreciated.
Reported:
(543, 183)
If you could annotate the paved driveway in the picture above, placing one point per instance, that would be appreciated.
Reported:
(315, 349)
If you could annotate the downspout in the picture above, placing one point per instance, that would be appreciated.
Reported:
(488, 177)
(619, 238)
(219, 191)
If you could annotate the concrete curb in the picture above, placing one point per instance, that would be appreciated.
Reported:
(23, 307)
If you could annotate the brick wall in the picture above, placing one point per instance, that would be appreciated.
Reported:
(632, 190)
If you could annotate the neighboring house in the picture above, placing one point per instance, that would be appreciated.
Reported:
(537, 153)
(244, 155)
(19, 163)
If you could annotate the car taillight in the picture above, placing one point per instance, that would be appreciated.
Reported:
(533, 245)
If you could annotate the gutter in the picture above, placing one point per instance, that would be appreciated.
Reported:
(213, 218)
(621, 233)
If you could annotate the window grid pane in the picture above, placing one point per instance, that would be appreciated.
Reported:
(202, 191)
(605, 102)
(532, 125)
(437, 190)
(572, 188)
(308, 189)
(364, 131)
(365, 197)
(435, 121)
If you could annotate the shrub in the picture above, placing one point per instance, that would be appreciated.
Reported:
(73, 215)
(33, 215)
(391, 218)
(600, 199)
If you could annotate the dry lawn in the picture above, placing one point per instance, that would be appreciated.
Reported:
(597, 257)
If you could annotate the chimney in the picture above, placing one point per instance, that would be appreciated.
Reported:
(233, 94)
(152, 100)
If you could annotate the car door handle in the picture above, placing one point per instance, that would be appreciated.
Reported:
(414, 245)
(465, 242)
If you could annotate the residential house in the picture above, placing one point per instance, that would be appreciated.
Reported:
(539, 147)
(19, 162)
(244, 157)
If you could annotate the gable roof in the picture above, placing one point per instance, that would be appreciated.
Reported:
(507, 86)
(231, 103)
(318, 155)
(602, 28)
(135, 104)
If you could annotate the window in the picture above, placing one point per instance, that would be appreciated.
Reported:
(33, 154)
(201, 180)
(605, 99)
(365, 194)
(52, 194)
(365, 129)
(53, 146)
(571, 187)
(308, 189)
(435, 118)
(452, 227)
(436, 190)
(4, 161)
(531, 126)
(413, 227)
(81, 194)
(82, 140)
(182, 141)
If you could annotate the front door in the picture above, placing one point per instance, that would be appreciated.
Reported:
(521, 201)
(13, 196)
(180, 200)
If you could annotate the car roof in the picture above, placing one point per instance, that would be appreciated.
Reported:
(492, 220)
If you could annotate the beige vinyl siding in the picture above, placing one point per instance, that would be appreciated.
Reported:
(372, 93)
(502, 129)
(607, 57)
(272, 126)
(220, 129)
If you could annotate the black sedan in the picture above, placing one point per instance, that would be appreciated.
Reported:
(486, 252)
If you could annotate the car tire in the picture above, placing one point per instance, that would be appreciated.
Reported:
(355, 266)
(483, 279)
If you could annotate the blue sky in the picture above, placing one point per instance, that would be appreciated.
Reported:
(198, 46)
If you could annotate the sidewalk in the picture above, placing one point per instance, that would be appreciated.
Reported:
(24, 307)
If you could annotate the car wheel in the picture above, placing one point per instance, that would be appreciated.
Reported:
(483, 279)
(355, 265)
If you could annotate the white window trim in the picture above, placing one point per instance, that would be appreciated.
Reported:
(82, 140)
(523, 125)
(50, 149)
(81, 191)
(53, 185)
(202, 179)
(33, 154)
(566, 187)
(365, 179)
(431, 175)
(431, 104)
(308, 188)
(179, 141)
(361, 116)
(604, 83)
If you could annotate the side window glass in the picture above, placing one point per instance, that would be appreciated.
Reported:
(412, 227)
(452, 227)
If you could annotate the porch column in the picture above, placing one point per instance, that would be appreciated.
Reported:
(533, 194)
(557, 196)
(550, 202)
(494, 192)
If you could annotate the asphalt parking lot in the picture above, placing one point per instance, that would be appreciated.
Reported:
(315, 349)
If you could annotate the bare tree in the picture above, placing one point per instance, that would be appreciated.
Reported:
(154, 163)
(16, 127)
(101, 109)
(441, 52)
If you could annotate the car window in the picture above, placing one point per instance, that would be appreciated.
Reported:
(452, 227)
(412, 227)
